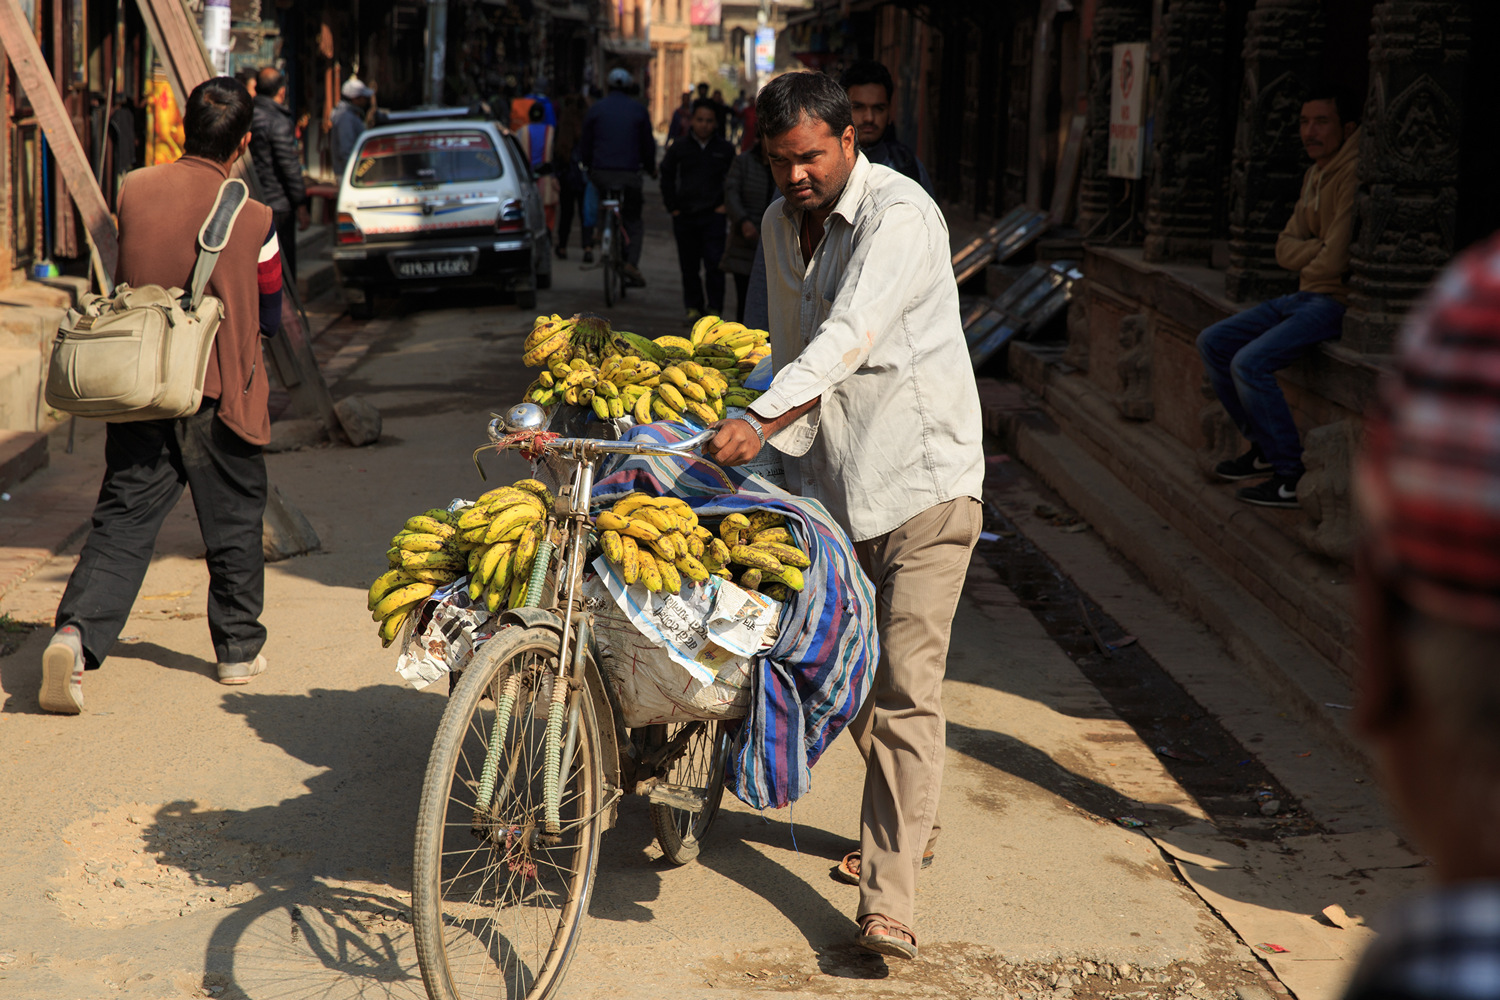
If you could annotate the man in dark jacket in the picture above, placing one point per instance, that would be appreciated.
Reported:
(278, 165)
(869, 86)
(616, 146)
(215, 452)
(692, 184)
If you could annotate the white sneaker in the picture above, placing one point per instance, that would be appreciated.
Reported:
(62, 673)
(240, 673)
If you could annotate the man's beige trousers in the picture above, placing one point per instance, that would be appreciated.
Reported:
(918, 571)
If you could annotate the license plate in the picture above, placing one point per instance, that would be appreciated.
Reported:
(436, 267)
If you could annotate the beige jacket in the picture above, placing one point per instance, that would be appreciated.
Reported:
(1315, 242)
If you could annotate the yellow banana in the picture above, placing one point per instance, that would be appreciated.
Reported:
(391, 627)
(670, 395)
(431, 560)
(537, 489)
(671, 580)
(692, 568)
(787, 555)
(613, 546)
(705, 415)
(650, 573)
(538, 354)
(693, 392)
(761, 519)
(665, 546)
(789, 575)
(630, 560)
(662, 411)
(642, 409)
(716, 556)
(400, 597)
(750, 579)
(601, 407)
(520, 514)
(675, 375)
(771, 535)
(429, 525)
(626, 504)
(385, 583)
(418, 542)
(439, 577)
(661, 520)
(491, 560)
(777, 591)
(747, 555)
(702, 328)
(695, 546)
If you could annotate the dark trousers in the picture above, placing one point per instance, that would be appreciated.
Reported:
(286, 235)
(570, 201)
(146, 465)
(632, 200)
(741, 289)
(700, 244)
(1242, 355)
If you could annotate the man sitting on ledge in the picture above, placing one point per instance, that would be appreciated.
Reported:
(1243, 353)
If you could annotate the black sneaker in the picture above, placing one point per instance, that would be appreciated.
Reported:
(1250, 465)
(588, 255)
(562, 253)
(1278, 491)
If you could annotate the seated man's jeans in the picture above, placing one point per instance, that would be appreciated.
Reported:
(1242, 355)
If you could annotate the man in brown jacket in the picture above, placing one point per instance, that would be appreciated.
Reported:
(217, 451)
(1243, 353)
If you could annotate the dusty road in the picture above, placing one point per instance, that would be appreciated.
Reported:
(184, 839)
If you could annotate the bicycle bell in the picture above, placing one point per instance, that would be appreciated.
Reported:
(525, 417)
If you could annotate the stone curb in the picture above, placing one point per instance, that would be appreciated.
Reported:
(1279, 659)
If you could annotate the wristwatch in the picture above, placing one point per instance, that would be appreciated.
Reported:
(760, 432)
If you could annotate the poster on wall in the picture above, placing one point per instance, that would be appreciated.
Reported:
(765, 51)
(1127, 100)
(703, 13)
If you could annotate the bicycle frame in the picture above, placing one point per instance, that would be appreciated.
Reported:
(569, 675)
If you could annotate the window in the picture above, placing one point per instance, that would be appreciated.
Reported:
(423, 158)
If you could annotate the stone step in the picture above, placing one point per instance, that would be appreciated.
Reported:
(20, 388)
(315, 278)
(313, 241)
(30, 327)
(21, 454)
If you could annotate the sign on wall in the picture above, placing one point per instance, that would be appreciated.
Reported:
(765, 51)
(704, 12)
(1127, 102)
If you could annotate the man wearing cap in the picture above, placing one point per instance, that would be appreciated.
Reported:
(347, 122)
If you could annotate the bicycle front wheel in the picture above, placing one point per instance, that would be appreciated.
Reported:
(700, 767)
(497, 903)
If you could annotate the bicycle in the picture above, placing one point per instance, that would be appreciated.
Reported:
(612, 246)
(529, 763)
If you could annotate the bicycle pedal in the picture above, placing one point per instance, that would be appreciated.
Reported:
(685, 797)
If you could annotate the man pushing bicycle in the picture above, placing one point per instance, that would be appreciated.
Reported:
(875, 408)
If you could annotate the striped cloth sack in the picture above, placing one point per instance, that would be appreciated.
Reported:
(813, 681)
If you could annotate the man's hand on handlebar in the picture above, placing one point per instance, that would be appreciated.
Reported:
(734, 443)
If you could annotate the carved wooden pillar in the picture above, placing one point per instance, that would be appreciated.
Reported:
(1186, 182)
(1283, 39)
(1115, 21)
(1408, 164)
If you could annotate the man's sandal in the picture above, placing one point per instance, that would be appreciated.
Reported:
(884, 936)
(847, 870)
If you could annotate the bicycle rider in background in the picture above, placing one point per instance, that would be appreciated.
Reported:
(616, 147)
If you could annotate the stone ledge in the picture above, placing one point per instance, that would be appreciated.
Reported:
(21, 454)
(1277, 656)
(1256, 549)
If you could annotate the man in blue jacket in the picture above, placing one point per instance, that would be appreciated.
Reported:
(616, 147)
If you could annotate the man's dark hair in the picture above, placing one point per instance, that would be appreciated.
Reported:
(269, 81)
(1344, 102)
(867, 71)
(702, 90)
(787, 98)
(705, 102)
(216, 119)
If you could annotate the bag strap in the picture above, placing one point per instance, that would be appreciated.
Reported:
(213, 236)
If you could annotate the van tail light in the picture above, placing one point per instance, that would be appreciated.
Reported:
(512, 217)
(348, 231)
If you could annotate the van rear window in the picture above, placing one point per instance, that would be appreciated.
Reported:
(420, 158)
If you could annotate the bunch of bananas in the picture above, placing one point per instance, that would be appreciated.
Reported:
(658, 542)
(615, 373)
(424, 555)
(500, 534)
(762, 548)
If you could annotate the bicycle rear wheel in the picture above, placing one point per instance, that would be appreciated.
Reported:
(497, 905)
(607, 263)
(700, 766)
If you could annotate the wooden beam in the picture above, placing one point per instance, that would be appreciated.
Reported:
(31, 70)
